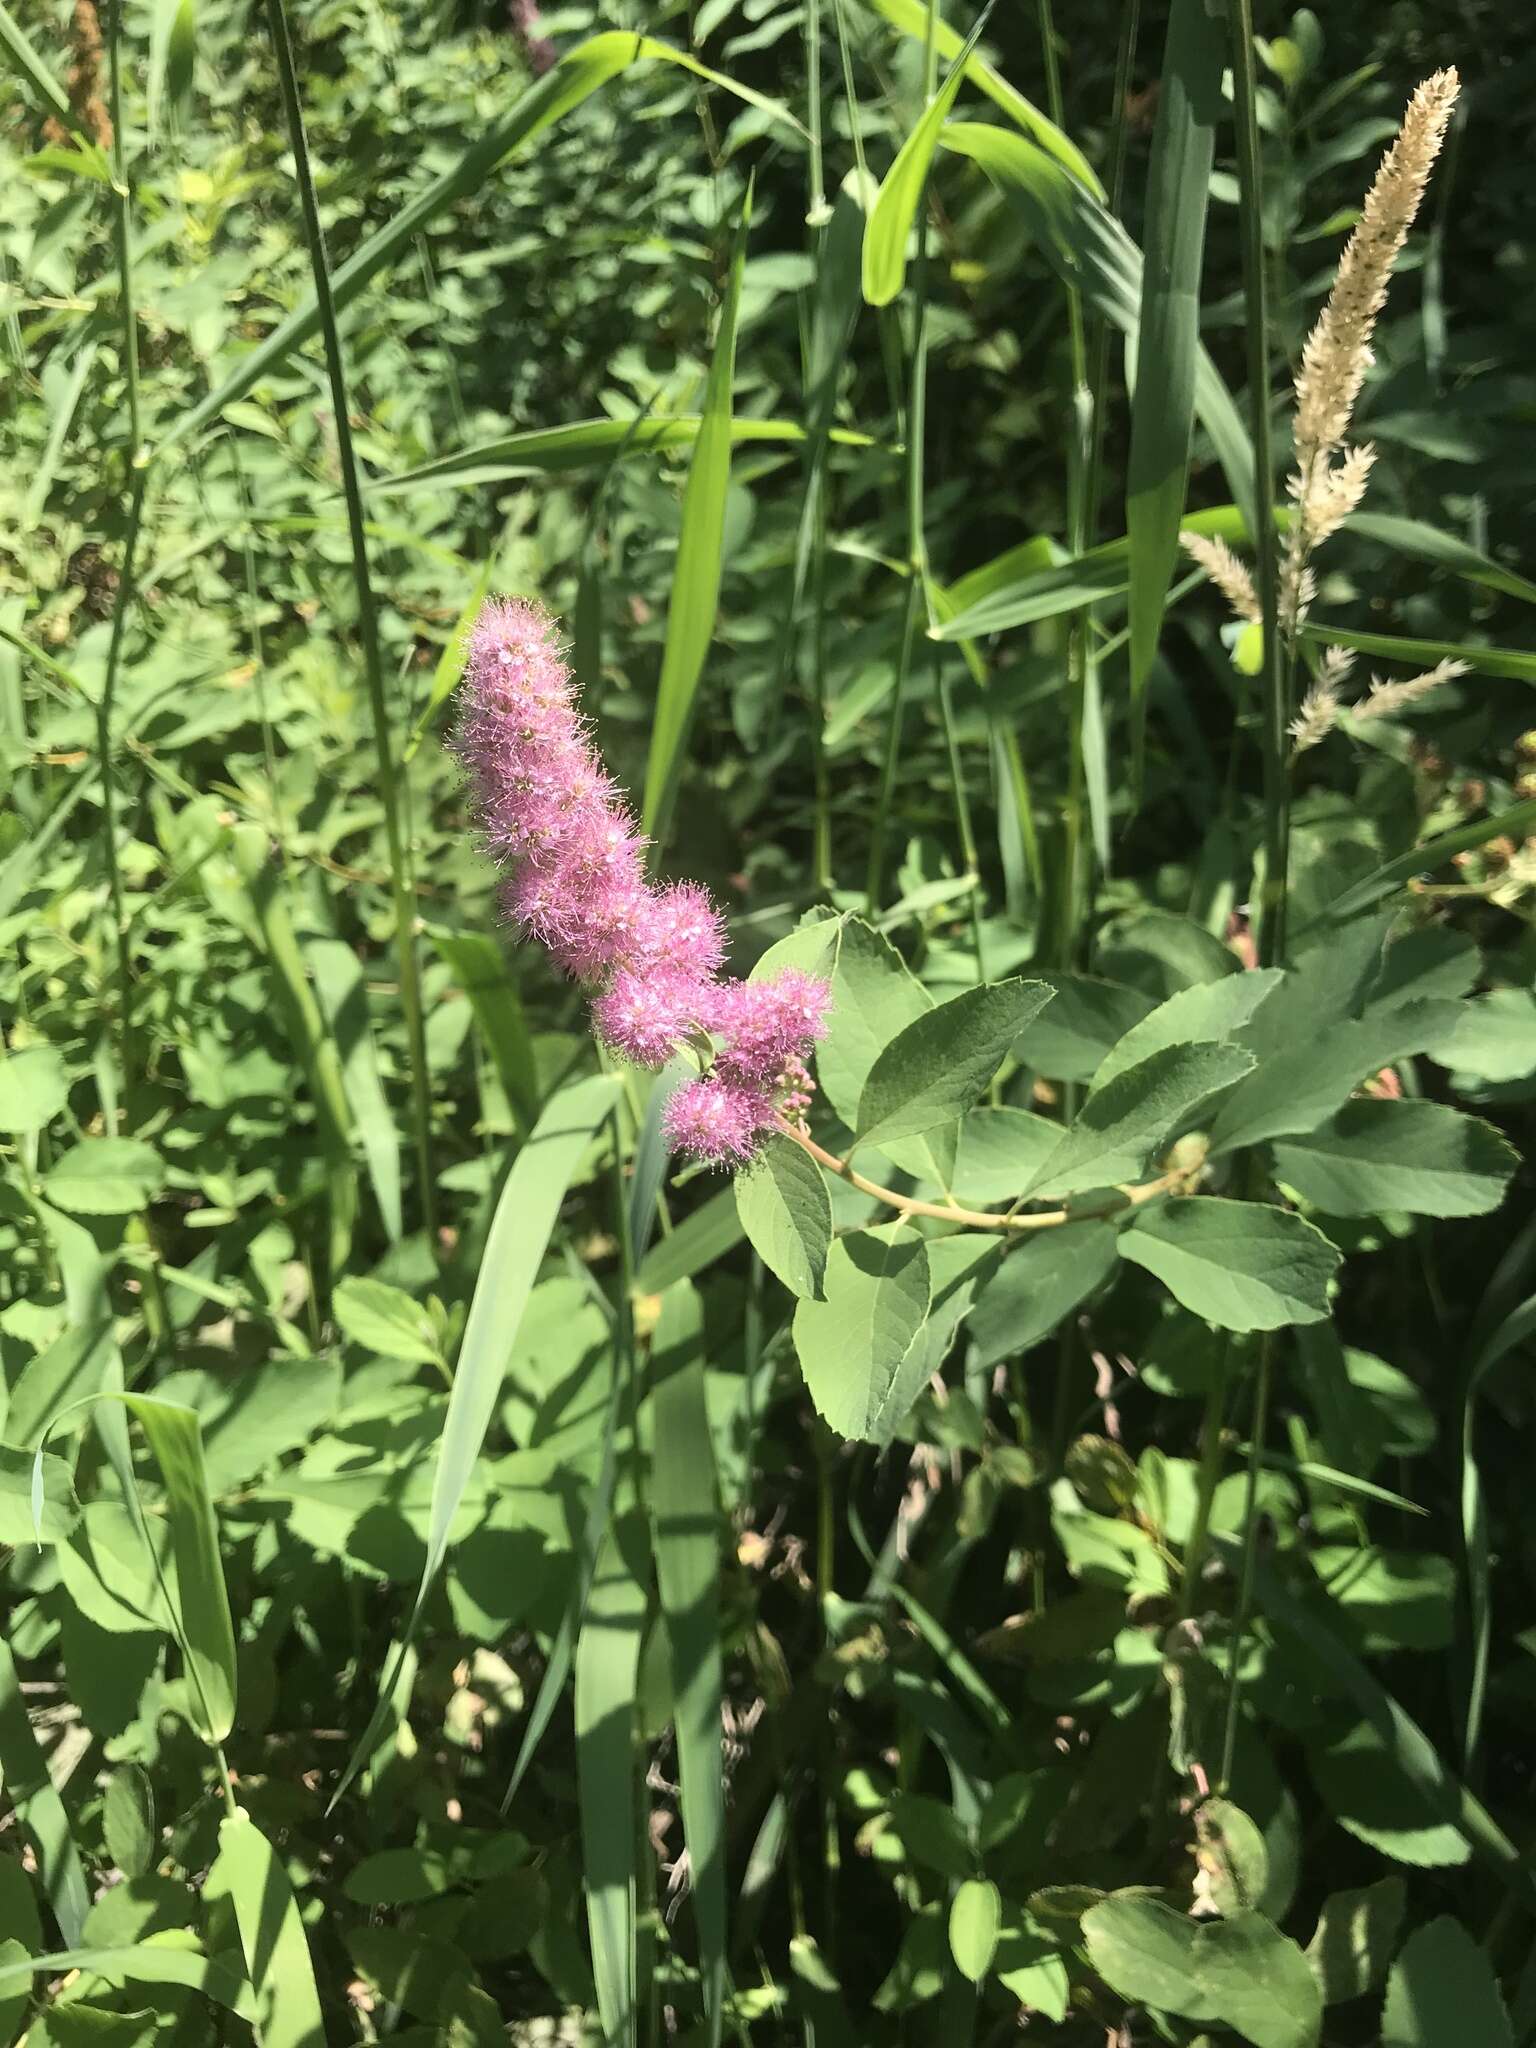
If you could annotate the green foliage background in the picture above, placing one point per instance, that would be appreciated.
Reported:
(1176, 1558)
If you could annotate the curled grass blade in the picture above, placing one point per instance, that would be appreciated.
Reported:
(1516, 1328)
(685, 1513)
(696, 581)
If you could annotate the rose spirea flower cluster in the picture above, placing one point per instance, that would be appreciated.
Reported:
(576, 882)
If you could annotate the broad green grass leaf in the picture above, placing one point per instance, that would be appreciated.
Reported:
(786, 1212)
(1089, 250)
(277, 1959)
(1442, 1993)
(128, 1819)
(385, 1320)
(579, 73)
(648, 1169)
(1163, 405)
(33, 1089)
(704, 1235)
(975, 1921)
(105, 1177)
(199, 1599)
(1415, 1157)
(482, 969)
(1038, 1285)
(607, 1668)
(1211, 1010)
(584, 444)
(343, 999)
(144, 1962)
(686, 1518)
(695, 590)
(1043, 594)
(932, 1072)
(1240, 1265)
(30, 1793)
(901, 193)
(1512, 662)
(913, 18)
(1356, 1934)
(1297, 1087)
(1126, 1120)
(1516, 823)
(853, 1342)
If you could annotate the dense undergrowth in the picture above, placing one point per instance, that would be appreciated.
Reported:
(1047, 1547)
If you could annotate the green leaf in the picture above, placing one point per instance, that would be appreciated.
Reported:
(1515, 663)
(1210, 1011)
(686, 1515)
(25, 59)
(385, 1320)
(33, 1088)
(1356, 1934)
(1417, 1157)
(918, 20)
(1078, 1031)
(37, 1498)
(1494, 1039)
(704, 1235)
(1240, 1265)
(932, 1835)
(975, 1921)
(1241, 1971)
(128, 1819)
(583, 444)
(1147, 1952)
(277, 1959)
(1364, 1785)
(105, 1177)
(1516, 822)
(1442, 1993)
(901, 193)
(1298, 1086)
(1090, 251)
(480, 966)
(343, 998)
(695, 586)
(579, 73)
(39, 1810)
(198, 1596)
(1400, 1598)
(853, 1342)
(933, 1071)
(1163, 403)
(1038, 1285)
(1000, 1150)
(786, 1212)
(1142, 1108)
(607, 1669)
(874, 997)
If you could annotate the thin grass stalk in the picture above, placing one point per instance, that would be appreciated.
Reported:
(917, 556)
(1114, 186)
(1082, 671)
(1262, 1388)
(389, 787)
(1276, 679)
(123, 596)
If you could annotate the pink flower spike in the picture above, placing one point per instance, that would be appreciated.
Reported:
(717, 1122)
(684, 931)
(644, 1016)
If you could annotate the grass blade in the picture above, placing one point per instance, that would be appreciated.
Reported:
(578, 74)
(696, 582)
(685, 1511)
(38, 1808)
(139, 1963)
(277, 1959)
(1515, 663)
(481, 968)
(29, 65)
(901, 192)
(607, 1667)
(343, 998)
(1515, 1329)
(912, 16)
(1518, 820)
(526, 1212)
(1163, 405)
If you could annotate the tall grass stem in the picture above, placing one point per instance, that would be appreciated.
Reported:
(402, 887)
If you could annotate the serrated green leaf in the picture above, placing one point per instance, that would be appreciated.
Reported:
(932, 1072)
(853, 1342)
(786, 1212)
(1240, 1265)
(1421, 1158)
(385, 1320)
(1211, 1010)
(33, 1088)
(1123, 1123)
(1038, 1285)
(105, 1176)
(1442, 1993)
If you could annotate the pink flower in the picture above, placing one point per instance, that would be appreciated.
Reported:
(717, 1121)
(576, 884)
